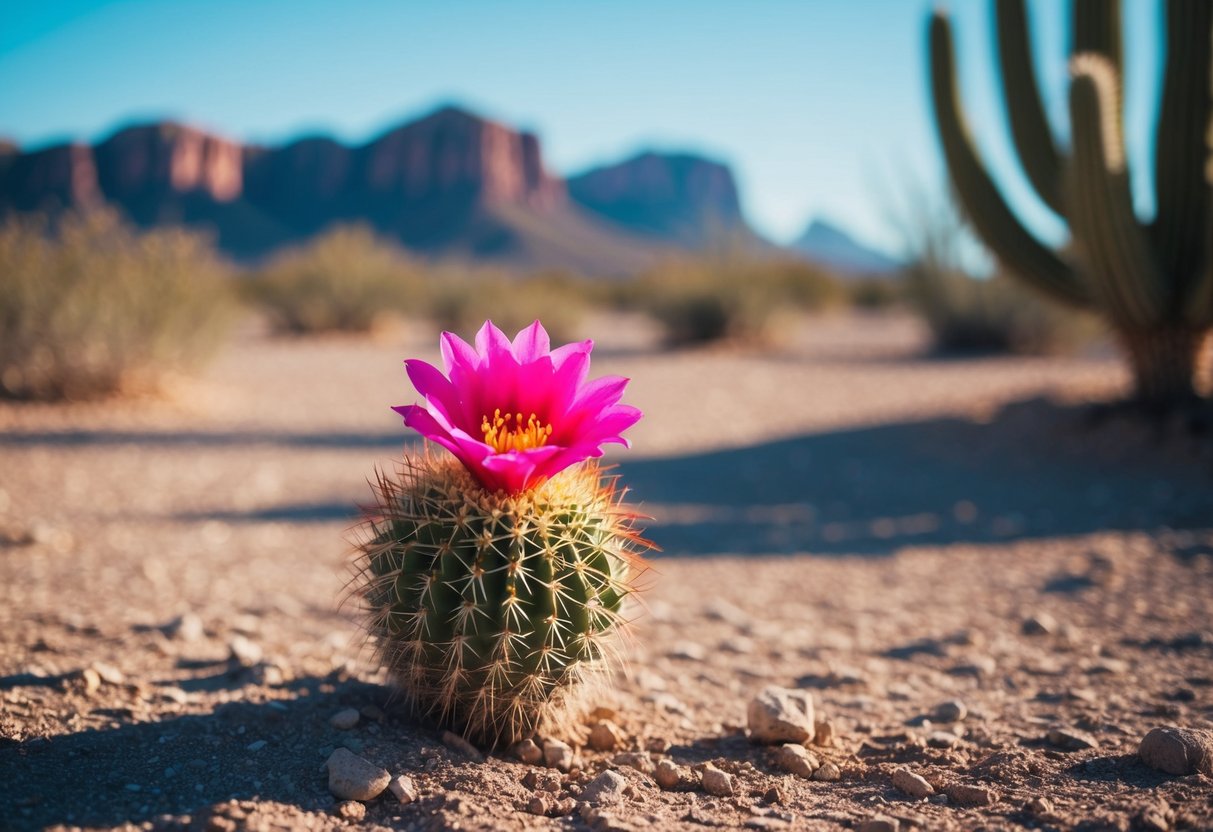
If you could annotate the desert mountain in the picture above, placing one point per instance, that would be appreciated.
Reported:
(827, 244)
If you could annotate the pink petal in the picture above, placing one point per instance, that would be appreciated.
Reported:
(429, 381)
(494, 347)
(457, 354)
(531, 343)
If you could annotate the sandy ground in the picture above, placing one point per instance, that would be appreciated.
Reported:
(843, 515)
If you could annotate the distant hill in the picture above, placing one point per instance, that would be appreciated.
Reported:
(448, 184)
(829, 245)
(675, 198)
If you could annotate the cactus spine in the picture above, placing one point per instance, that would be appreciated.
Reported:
(1153, 283)
(492, 610)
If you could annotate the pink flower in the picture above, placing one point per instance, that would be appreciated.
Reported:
(517, 413)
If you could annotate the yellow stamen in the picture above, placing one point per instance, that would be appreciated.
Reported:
(509, 433)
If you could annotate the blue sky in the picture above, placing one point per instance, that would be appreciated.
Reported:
(820, 105)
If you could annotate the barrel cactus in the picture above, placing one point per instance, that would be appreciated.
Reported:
(1151, 282)
(496, 580)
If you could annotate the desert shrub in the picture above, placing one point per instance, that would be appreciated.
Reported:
(995, 315)
(460, 299)
(698, 301)
(345, 280)
(876, 292)
(92, 307)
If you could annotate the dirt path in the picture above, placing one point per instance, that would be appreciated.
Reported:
(844, 517)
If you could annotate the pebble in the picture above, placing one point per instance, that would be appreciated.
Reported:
(639, 760)
(604, 736)
(108, 673)
(824, 733)
(942, 739)
(257, 746)
(798, 760)
(967, 795)
(975, 666)
(1069, 739)
(538, 805)
(1179, 751)
(779, 715)
(353, 778)
(345, 719)
(351, 810)
(1040, 806)
(403, 788)
(716, 782)
(688, 651)
(951, 711)
(185, 627)
(914, 785)
(605, 789)
(527, 752)
(91, 679)
(557, 755)
(668, 775)
(461, 746)
(880, 823)
(828, 773)
(244, 652)
(1040, 624)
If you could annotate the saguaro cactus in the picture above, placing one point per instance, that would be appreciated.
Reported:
(1152, 282)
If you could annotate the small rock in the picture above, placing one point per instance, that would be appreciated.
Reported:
(774, 797)
(967, 795)
(824, 733)
(1040, 806)
(538, 805)
(828, 773)
(1041, 624)
(527, 752)
(779, 715)
(880, 823)
(1069, 739)
(353, 778)
(951, 711)
(351, 810)
(345, 719)
(557, 755)
(975, 666)
(244, 652)
(688, 651)
(185, 627)
(605, 789)
(639, 760)
(461, 746)
(942, 739)
(667, 775)
(257, 746)
(798, 760)
(91, 679)
(604, 736)
(716, 782)
(108, 673)
(1178, 751)
(404, 789)
(914, 785)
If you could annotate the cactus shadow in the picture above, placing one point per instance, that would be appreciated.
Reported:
(1036, 469)
(136, 772)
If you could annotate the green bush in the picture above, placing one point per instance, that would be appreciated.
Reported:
(345, 280)
(96, 308)
(699, 301)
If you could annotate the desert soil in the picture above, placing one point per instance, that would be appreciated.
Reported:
(843, 515)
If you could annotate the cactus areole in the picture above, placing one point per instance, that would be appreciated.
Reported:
(1152, 282)
(495, 580)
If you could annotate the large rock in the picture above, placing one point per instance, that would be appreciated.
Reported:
(605, 789)
(779, 715)
(1178, 751)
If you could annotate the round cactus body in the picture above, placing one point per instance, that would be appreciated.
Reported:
(489, 608)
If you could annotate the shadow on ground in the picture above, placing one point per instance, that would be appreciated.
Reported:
(180, 765)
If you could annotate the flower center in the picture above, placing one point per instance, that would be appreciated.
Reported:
(509, 433)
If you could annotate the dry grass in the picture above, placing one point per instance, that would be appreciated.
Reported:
(96, 308)
(345, 280)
